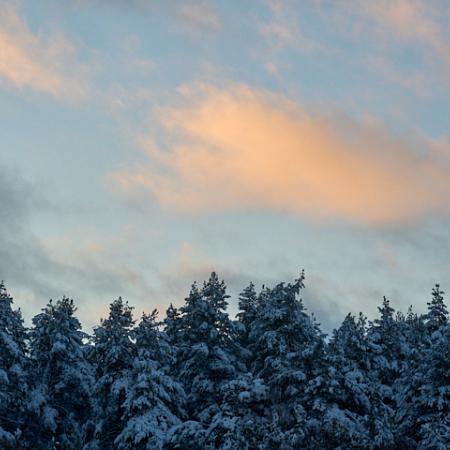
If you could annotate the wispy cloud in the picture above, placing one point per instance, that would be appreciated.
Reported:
(195, 15)
(397, 32)
(199, 15)
(284, 28)
(415, 21)
(244, 149)
(36, 270)
(282, 31)
(44, 64)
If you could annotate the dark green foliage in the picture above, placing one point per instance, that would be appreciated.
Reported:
(112, 354)
(269, 380)
(13, 372)
(60, 399)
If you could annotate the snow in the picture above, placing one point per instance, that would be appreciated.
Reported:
(198, 380)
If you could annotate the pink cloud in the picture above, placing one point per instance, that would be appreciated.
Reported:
(29, 60)
(244, 149)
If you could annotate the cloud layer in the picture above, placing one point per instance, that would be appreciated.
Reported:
(245, 149)
(29, 60)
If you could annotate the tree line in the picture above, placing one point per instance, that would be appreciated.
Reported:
(269, 379)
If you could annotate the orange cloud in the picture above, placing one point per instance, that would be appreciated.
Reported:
(244, 149)
(27, 60)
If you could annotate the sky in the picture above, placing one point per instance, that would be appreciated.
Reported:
(145, 143)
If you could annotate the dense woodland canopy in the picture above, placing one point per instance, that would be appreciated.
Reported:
(199, 380)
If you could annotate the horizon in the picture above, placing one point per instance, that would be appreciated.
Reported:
(232, 309)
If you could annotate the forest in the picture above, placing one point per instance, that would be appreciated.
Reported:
(198, 379)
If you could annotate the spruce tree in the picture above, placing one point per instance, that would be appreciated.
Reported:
(172, 325)
(405, 386)
(155, 401)
(113, 354)
(242, 423)
(430, 384)
(13, 372)
(343, 390)
(265, 381)
(432, 401)
(61, 379)
(287, 349)
(248, 305)
(437, 310)
(206, 361)
(389, 354)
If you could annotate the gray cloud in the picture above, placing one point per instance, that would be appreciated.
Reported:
(33, 275)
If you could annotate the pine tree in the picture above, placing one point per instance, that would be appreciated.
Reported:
(429, 386)
(406, 388)
(172, 325)
(343, 390)
(60, 400)
(172, 338)
(242, 422)
(13, 371)
(389, 353)
(432, 402)
(437, 310)
(266, 381)
(287, 347)
(206, 330)
(205, 362)
(248, 305)
(155, 402)
(113, 354)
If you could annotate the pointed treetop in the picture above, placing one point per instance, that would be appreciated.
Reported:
(214, 286)
(150, 319)
(386, 311)
(247, 296)
(300, 281)
(437, 310)
(248, 290)
(147, 330)
(120, 314)
(3, 291)
(171, 310)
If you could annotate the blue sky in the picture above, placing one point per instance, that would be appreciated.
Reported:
(146, 143)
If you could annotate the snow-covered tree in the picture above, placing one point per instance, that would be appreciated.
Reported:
(61, 379)
(287, 349)
(432, 402)
(390, 355)
(342, 392)
(205, 361)
(200, 381)
(248, 306)
(427, 386)
(242, 422)
(172, 325)
(437, 310)
(13, 375)
(155, 401)
(113, 354)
